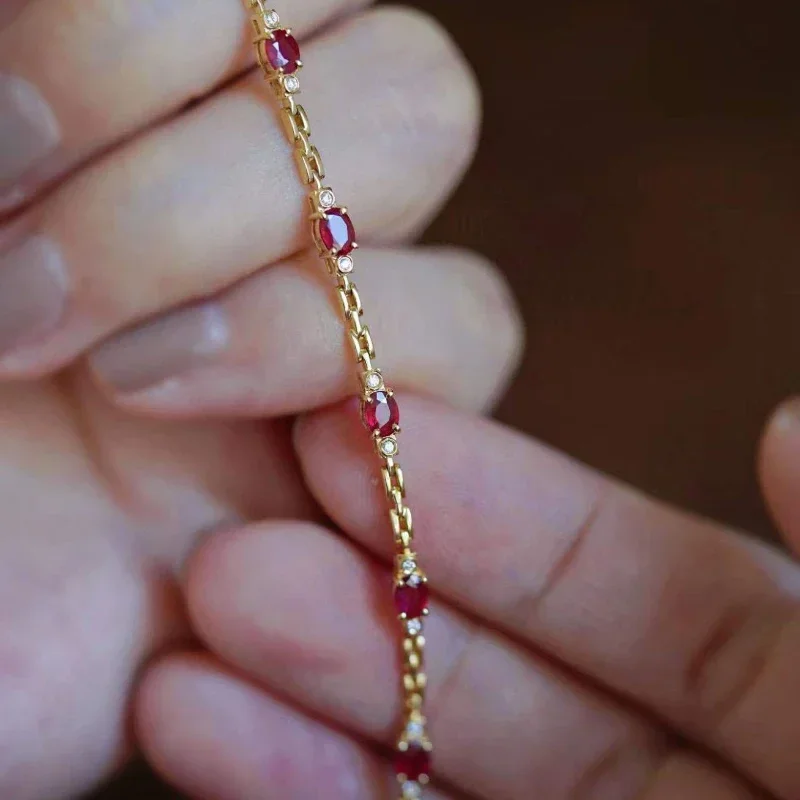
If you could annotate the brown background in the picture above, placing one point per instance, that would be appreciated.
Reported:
(638, 182)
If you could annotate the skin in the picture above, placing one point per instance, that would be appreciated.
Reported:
(585, 641)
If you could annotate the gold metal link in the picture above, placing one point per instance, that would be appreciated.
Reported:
(297, 122)
(402, 526)
(362, 344)
(303, 143)
(393, 480)
(312, 172)
(414, 679)
(351, 306)
(310, 166)
(356, 325)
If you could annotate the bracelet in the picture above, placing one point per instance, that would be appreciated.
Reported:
(279, 57)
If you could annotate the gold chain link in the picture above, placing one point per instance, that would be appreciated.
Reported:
(413, 744)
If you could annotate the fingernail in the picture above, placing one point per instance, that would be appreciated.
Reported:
(33, 291)
(29, 131)
(163, 349)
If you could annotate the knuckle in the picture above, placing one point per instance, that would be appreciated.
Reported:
(734, 661)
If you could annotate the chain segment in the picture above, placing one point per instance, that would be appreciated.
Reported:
(278, 56)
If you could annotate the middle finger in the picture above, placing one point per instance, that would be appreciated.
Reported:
(210, 197)
(273, 344)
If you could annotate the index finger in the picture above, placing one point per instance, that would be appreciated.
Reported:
(687, 618)
(78, 75)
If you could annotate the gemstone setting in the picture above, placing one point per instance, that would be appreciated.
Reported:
(388, 447)
(408, 566)
(345, 265)
(412, 763)
(411, 790)
(282, 52)
(411, 598)
(326, 198)
(381, 413)
(336, 232)
(373, 381)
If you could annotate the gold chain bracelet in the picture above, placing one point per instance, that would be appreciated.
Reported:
(279, 56)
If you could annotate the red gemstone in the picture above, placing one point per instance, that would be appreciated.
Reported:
(336, 232)
(410, 599)
(413, 763)
(283, 52)
(381, 413)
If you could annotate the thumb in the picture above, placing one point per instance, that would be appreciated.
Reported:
(779, 470)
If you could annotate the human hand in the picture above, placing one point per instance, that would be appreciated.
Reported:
(586, 641)
(163, 242)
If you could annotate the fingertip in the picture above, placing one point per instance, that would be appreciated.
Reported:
(247, 592)
(786, 418)
(779, 447)
(312, 426)
(779, 469)
(175, 722)
(216, 578)
(160, 689)
(212, 734)
(505, 318)
(191, 718)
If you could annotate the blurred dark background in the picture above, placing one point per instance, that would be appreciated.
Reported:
(639, 183)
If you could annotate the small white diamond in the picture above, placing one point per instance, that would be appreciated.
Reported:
(326, 198)
(291, 83)
(414, 626)
(389, 447)
(408, 566)
(374, 380)
(415, 731)
(411, 790)
(272, 19)
(414, 580)
(345, 264)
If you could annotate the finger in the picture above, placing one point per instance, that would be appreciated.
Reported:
(9, 10)
(213, 735)
(81, 74)
(780, 470)
(686, 775)
(304, 612)
(274, 344)
(686, 617)
(214, 195)
(100, 510)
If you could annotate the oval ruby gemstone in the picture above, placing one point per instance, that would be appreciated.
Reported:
(381, 413)
(336, 232)
(413, 763)
(411, 599)
(283, 52)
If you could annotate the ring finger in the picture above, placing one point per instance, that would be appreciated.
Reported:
(204, 200)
